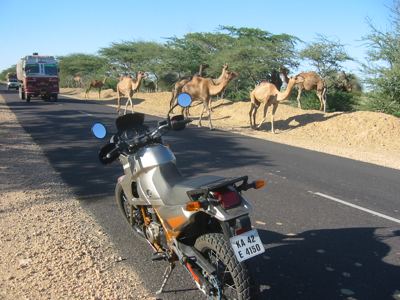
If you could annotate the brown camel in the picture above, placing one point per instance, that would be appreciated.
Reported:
(77, 81)
(178, 86)
(268, 93)
(97, 84)
(126, 87)
(203, 88)
(311, 81)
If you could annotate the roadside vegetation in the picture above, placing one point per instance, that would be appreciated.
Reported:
(257, 55)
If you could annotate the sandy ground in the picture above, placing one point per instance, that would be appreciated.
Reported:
(50, 247)
(366, 136)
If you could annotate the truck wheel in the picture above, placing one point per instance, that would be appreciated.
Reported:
(28, 98)
(55, 97)
(21, 94)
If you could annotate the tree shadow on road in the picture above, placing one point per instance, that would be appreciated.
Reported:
(328, 264)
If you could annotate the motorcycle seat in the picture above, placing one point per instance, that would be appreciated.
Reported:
(173, 187)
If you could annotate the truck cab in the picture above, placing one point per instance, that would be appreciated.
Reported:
(38, 76)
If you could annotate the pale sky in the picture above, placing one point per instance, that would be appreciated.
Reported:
(65, 27)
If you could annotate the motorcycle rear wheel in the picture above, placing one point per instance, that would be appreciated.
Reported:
(232, 280)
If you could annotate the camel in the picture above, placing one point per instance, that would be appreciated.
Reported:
(203, 88)
(77, 79)
(311, 81)
(219, 79)
(269, 94)
(126, 87)
(179, 85)
(98, 84)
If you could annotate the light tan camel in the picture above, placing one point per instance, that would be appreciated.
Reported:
(218, 80)
(311, 81)
(77, 79)
(268, 94)
(203, 88)
(126, 87)
(97, 84)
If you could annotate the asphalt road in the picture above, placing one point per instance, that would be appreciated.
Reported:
(318, 247)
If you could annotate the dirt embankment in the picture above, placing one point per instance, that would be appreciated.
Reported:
(366, 136)
(50, 247)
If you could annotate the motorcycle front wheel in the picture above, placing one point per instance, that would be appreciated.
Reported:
(125, 209)
(231, 280)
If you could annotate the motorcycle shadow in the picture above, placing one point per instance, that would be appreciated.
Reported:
(328, 264)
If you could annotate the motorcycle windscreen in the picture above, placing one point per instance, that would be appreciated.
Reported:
(129, 121)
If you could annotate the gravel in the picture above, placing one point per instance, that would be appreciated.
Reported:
(50, 247)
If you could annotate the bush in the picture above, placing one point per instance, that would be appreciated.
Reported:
(336, 100)
(111, 83)
(238, 95)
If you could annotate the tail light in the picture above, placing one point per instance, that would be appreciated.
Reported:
(31, 79)
(53, 79)
(228, 198)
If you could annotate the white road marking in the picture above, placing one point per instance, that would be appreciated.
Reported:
(85, 113)
(261, 223)
(372, 212)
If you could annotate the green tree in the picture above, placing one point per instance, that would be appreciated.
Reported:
(3, 74)
(384, 67)
(86, 65)
(325, 55)
(137, 56)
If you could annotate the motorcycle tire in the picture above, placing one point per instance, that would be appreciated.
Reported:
(219, 253)
(120, 198)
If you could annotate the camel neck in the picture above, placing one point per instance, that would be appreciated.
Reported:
(218, 88)
(284, 95)
(219, 79)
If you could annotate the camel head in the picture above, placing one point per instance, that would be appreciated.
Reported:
(141, 75)
(229, 75)
(295, 79)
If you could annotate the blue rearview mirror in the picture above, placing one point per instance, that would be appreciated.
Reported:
(99, 130)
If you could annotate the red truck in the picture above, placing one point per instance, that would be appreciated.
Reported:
(38, 76)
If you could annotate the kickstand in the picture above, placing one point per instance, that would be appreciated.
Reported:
(166, 275)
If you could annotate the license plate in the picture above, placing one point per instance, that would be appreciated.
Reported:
(247, 245)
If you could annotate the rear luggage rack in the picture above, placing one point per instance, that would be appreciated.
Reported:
(204, 190)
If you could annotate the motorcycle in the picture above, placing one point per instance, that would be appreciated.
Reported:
(203, 222)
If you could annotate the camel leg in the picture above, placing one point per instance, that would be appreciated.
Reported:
(264, 116)
(130, 101)
(323, 99)
(251, 114)
(299, 90)
(172, 101)
(275, 106)
(321, 104)
(86, 93)
(126, 104)
(202, 112)
(118, 101)
(99, 92)
(209, 115)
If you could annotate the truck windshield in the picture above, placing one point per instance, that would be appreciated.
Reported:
(50, 70)
(32, 69)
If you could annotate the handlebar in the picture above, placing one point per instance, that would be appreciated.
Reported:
(112, 152)
(144, 139)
